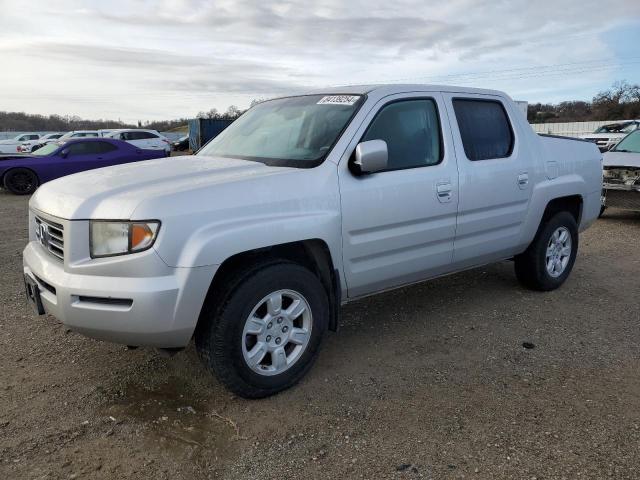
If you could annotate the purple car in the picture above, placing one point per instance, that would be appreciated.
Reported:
(22, 174)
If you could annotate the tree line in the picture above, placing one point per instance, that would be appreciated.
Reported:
(620, 102)
(24, 122)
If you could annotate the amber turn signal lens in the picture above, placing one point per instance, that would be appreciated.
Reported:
(141, 236)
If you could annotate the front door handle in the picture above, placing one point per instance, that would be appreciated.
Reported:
(443, 191)
(523, 180)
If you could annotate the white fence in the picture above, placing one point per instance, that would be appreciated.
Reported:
(571, 129)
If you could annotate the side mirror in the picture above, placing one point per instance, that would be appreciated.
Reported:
(64, 153)
(370, 157)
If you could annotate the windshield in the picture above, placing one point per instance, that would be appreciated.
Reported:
(293, 131)
(630, 143)
(66, 136)
(46, 149)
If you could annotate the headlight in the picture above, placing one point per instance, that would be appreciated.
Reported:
(107, 238)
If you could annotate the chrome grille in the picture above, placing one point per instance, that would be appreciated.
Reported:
(51, 236)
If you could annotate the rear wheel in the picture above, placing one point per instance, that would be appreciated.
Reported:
(21, 181)
(264, 333)
(548, 261)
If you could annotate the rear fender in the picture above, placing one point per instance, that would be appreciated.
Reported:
(543, 193)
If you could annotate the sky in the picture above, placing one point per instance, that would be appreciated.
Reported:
(150, 60)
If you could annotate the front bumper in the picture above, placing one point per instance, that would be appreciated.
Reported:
(626, 197)
(160, 310)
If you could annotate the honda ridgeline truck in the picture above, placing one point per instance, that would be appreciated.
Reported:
(305, 203)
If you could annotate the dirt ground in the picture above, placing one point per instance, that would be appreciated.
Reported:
(430, 381)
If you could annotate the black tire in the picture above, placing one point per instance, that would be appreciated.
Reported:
(602, 210)
(219, 335)
(21, 181)
(530, 266)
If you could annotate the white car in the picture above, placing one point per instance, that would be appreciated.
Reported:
(302, 204)
(607, 136)
(11, 145)
(32, 145)
(145, 139)
(621, 188)
(78, 134)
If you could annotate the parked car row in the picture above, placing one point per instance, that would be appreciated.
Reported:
(21, 174)
(12, 145)
(141, 138)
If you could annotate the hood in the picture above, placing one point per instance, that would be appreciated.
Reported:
(621, 159)
(13, 156)
(115, 192)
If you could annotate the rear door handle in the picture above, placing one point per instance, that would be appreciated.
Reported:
(443, 190)
(523, 180)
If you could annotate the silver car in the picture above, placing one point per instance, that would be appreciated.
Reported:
(303, 204)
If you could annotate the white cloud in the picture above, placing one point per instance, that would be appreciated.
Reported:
(145, 60)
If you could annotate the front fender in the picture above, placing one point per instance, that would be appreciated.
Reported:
(214, 243)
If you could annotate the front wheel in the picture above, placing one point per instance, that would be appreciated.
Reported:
(264, 334)
(20, 181)
(548, 261)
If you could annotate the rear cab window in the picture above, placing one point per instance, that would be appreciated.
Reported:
(485, 128)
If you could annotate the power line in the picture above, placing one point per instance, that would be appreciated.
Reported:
(524, 69)
(517, 73)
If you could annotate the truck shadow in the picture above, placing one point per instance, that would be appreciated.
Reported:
(625, 216)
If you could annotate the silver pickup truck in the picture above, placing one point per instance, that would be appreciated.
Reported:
(303, 204)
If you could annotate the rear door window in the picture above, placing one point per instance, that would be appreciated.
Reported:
(134, 136)
(90, 148)
(485, 129)
(103, 147)
(78, 148)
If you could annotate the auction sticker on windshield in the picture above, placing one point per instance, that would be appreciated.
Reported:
(338, 100)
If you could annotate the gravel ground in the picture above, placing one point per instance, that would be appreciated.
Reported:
(431, 381)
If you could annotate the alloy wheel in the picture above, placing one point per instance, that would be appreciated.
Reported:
(277, 332)
(558, 252)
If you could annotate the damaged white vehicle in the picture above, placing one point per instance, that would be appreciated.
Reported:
(621, 184)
